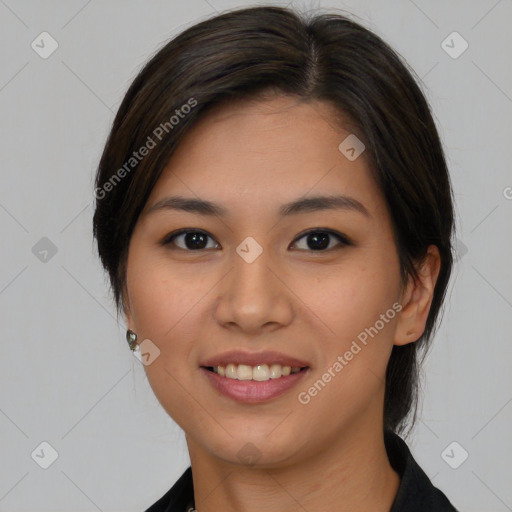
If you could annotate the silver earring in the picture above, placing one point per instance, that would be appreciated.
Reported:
(131, 338)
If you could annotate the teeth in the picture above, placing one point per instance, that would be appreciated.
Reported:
(244, 372)
(230, 371)
(260, 372)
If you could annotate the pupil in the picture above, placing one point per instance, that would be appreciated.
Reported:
(192, 239)
(320, 240)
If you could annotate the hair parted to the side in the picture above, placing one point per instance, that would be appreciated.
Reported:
(246, 54)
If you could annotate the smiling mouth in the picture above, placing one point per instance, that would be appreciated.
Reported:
(258, 373)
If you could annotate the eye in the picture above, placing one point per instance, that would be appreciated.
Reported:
(318, 239)
(192, 239)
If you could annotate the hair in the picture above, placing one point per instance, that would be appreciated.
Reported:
(249, 53)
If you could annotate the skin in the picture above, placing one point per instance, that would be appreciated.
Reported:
(306, 302)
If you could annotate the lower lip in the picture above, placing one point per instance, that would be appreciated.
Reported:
(250, 391)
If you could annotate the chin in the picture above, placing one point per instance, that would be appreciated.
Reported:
(263, 449)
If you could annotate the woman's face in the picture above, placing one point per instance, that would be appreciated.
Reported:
(255, 282)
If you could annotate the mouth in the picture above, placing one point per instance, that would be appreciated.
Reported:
(253, 377)
(258, 373)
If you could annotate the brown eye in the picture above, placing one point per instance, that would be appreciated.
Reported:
(318, 240)
(191, 240)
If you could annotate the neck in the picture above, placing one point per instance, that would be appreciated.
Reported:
(353, 472)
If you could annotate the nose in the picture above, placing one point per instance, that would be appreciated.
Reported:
(255, 296)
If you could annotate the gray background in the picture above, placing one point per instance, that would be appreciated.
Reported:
(67, 375)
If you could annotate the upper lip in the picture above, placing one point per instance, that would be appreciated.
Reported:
(253, 358)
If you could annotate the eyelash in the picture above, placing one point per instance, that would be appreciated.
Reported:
(344, 240)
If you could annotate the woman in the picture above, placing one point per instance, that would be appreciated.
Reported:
(275, 214)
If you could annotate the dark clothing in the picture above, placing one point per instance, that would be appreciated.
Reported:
(415, 494)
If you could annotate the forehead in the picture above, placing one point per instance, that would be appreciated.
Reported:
(264, 152)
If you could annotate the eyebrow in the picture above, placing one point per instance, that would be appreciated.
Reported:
(303, 205)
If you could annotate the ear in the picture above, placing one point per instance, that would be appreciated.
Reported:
(417, 298)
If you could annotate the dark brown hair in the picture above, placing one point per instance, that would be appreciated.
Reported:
(245, 53)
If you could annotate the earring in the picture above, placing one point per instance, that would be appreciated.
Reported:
(131, 338)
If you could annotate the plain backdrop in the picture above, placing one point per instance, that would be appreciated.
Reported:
(67, 376)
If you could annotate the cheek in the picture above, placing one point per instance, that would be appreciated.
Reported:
(161, 297)
(164, 307)
(164, 304)
(355, 311)
(348, 298)
(351, 309)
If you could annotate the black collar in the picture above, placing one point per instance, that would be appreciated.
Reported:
(415, 494)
